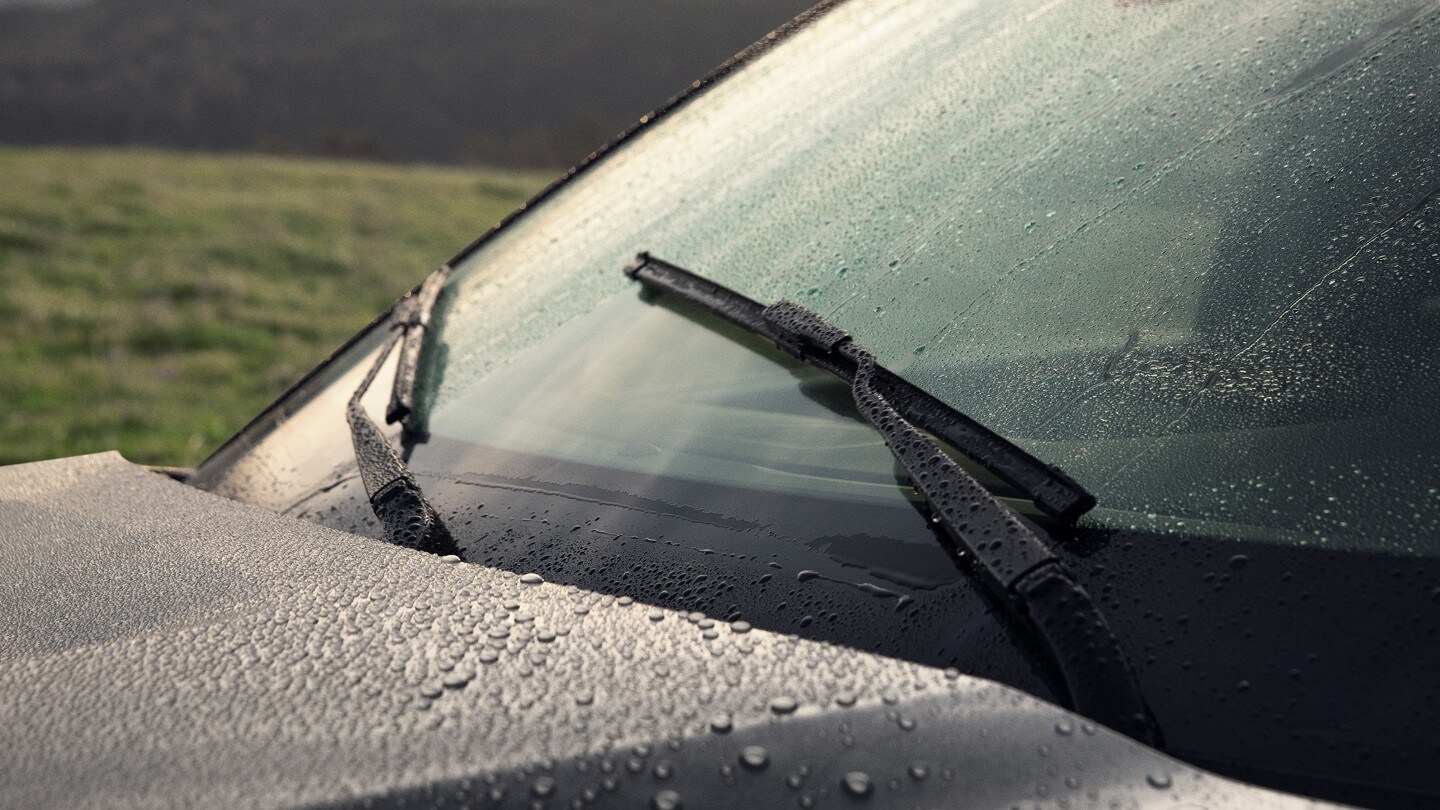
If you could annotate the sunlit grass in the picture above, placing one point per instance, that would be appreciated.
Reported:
(154, 302)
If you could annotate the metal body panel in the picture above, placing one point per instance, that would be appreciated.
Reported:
(163, 646)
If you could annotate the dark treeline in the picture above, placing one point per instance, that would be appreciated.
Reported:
(508, 82)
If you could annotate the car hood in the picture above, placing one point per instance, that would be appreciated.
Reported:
(160, 645)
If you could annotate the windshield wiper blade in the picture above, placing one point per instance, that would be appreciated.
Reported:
(1049, 487)
(416, 325)
(1014, 562)
(406, 517)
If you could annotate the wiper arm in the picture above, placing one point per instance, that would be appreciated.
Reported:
(1049, 487)
(406, 517)
(1017, 565)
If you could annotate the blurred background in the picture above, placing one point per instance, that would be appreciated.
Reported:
(200, 199)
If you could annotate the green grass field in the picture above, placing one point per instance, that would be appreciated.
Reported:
(153, 302)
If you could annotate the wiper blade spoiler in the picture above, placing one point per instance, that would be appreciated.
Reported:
(1049, 487)
(1014, 562)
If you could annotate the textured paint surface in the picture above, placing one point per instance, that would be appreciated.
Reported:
(162, 646)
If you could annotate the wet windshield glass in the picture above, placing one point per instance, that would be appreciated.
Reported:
(1199, 274)
(631, 367)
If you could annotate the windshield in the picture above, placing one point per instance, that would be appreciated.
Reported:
(1189, 252)
(643, 408)
(1198, 273)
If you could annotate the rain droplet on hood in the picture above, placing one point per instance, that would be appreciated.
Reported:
(542, 788)
(783, 704)
(857, 783)
(755, 757)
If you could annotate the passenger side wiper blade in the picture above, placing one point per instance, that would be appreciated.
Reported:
(1017, 565)
(406, 517)
(1049, 487)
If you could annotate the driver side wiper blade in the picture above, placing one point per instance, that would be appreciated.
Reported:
(1049, 487)
(1013, 561)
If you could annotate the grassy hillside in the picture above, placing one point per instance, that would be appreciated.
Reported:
(152, 302)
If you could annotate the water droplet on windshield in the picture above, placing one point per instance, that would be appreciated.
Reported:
(666, 800)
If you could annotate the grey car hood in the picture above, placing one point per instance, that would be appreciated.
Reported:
(163, 646)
